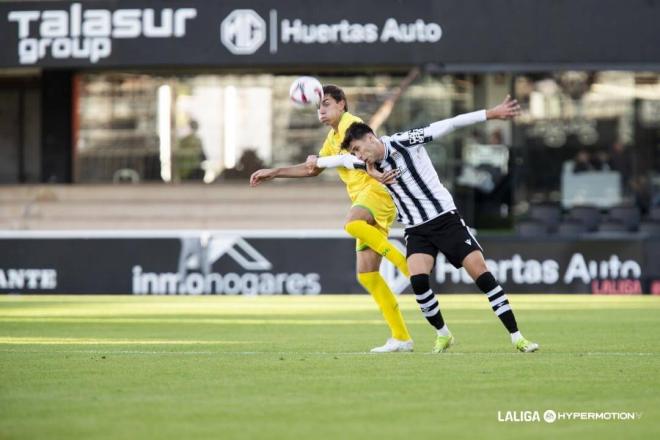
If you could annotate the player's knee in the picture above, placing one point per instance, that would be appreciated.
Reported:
(477, 270)
(348, 227)
(475, 265)
(420, 283)
(353, 227)
(368, 280)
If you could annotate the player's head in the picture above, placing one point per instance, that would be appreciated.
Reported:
(361, 141)
(333, 105)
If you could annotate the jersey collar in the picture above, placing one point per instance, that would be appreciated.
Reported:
(386, 143)
(336, 132)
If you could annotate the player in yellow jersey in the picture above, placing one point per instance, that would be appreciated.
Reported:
(369, 219)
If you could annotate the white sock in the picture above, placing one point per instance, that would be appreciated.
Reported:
(515, 337)
(444, 331)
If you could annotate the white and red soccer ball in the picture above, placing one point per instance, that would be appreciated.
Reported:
(306, 91)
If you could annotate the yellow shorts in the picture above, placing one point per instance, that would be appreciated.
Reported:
(379, 203)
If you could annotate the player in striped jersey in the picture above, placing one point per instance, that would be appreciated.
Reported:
(369, 219)
(427, 209)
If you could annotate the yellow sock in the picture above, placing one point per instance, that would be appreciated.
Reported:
(381, 293)
(379, 243)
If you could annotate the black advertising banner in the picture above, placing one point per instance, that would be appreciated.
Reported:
(600, 266)
(457, 34)
(652, 272)
(300, 263)
(217, 263)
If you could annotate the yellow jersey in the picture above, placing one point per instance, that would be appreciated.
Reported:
(355, 180)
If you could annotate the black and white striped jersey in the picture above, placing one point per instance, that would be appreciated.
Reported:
(418, 193)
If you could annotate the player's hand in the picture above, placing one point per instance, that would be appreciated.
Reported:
(390, 177)
(261, 176)
(310, 164)
(508, 109)
(386, 178)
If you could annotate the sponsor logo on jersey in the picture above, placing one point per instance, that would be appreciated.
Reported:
(416, 136)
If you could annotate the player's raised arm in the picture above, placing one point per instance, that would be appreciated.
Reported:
(508, 109)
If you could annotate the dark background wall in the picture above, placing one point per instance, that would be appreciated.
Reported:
(56, 134)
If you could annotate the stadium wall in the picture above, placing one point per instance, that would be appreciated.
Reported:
(301, 262)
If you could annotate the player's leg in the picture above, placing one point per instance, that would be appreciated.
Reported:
(476, 267)
(421, 258)
(368, 263)
(369, 220)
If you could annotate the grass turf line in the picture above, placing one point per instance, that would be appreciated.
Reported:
(297, 367)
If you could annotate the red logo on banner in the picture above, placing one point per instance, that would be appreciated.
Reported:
(655, 287)
(616, 287)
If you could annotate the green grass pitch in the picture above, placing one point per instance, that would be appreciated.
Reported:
(298, 368)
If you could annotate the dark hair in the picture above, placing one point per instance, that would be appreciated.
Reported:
(356, 131)
(336, 93)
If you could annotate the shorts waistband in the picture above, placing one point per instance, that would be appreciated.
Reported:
(442, 214)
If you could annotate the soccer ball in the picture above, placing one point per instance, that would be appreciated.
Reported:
(306, 91)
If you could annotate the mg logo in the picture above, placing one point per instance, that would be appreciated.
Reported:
(243, 32)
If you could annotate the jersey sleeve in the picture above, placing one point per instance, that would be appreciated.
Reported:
(341, 160)
(437, 129)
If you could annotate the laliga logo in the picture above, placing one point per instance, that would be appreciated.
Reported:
(243, 32)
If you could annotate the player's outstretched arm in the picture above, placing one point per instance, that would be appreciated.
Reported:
(293, 171)
(353, 163)
(438, 129)
(340, 160)
(508, 109)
